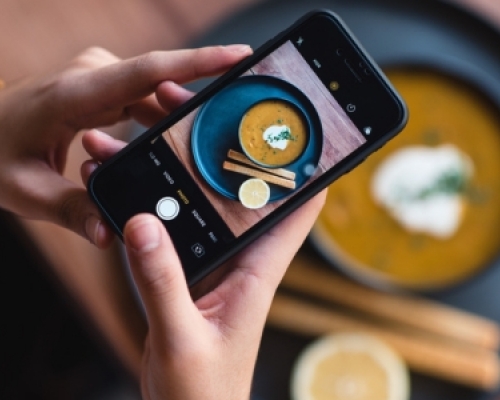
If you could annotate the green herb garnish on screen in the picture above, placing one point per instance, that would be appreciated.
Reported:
(285, 134)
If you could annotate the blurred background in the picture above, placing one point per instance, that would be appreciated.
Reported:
(72, 327)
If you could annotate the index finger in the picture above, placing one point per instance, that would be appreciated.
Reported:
(123, 83)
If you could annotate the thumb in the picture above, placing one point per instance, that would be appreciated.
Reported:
(159, 277)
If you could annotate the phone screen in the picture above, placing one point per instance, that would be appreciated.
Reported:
(287, 120)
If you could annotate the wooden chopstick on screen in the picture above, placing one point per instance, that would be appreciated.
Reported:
(240, 157)
(255, 173)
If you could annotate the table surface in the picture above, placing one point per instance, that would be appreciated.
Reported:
(39, 36)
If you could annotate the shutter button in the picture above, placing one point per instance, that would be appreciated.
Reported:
(167, 208)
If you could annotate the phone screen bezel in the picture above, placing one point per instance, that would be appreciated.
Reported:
(300, 198)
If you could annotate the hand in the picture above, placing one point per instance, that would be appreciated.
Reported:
(40, 117)
(204, 348)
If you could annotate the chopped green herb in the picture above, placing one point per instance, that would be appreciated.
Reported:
(478, 195)
(417, 241)
(285, 134)
(452, 181)
(431, 137)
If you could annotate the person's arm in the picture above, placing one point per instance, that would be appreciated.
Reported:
(204, 348)
(39, 118)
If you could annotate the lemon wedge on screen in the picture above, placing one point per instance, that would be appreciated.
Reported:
(254, 193)
(349, 367)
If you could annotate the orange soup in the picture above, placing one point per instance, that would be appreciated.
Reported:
(357, 231)
(273, 133)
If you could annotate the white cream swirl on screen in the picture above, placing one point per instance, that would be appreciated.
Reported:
(277, 136)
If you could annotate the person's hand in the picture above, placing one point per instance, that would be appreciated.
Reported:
(207, 349)
(40, 117)
(204, 348)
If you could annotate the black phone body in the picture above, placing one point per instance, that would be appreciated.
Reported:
(178, 170)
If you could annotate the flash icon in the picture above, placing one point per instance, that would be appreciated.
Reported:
(367, 130)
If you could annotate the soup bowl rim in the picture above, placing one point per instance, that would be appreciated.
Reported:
(301, 114)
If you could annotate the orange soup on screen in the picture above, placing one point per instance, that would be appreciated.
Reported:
(273, 133)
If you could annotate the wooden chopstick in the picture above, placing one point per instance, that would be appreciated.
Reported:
(473, 366)
(240, 157)
(411, 311)
(276, 180)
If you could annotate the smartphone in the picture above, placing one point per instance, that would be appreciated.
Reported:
(303, 110)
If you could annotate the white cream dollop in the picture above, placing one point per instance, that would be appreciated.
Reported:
(273, 136)
(421, 187)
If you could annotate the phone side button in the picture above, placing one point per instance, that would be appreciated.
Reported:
(167, 208)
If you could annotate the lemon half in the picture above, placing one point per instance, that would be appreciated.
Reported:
(254, 193)
(349, 367)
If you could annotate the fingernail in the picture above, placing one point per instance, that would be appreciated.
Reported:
(92, 226)
(100, 133)
(239, 48)
(143, 235)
